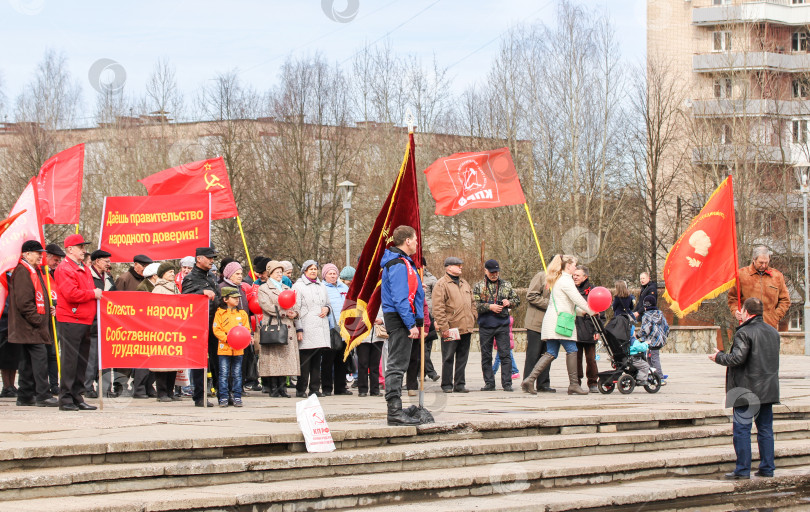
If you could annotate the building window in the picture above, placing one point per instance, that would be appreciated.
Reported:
(800, 40)
(797, 2)
(799, 131)
(795, 319)
(726, 2)
(801, 88)
(722, 88)
(721, 41)
(724, 134)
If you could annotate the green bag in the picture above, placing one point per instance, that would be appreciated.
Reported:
(565, 321)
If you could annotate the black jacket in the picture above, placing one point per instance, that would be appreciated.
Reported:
(753, 365)
(196, 282)
(585, 329)
(650, 288)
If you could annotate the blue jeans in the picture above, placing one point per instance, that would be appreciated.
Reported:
(553, 346)
(230, 366)
(497, 363)
(742, 438)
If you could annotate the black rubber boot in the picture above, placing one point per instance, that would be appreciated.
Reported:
(396, 416)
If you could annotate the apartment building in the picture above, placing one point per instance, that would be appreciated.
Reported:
(746, 68)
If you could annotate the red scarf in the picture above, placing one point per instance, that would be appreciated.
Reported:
(413, 284)
(39, 296)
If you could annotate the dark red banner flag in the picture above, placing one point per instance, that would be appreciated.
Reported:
(59, 187)
(703, 262)
(161, 227)
(209, 176)
(149, 330)
(401, 207)
(486, 179)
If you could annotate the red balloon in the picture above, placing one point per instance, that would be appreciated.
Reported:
(253, 304)
(239, 337)
(286, 299)
(599, 299)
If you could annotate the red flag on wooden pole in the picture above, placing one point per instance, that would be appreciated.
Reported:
(59, 187)
(703, 262)
(486, 179)
(363, 300)
(209, 176)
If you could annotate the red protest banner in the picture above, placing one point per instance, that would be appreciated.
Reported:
(149, 330)
(162, 227)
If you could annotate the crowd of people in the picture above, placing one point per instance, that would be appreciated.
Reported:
(448, 308)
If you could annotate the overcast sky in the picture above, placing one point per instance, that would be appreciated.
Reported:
(202, 38)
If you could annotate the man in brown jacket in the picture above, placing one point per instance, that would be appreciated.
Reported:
(766, 284)
(537, 298)
(28, 318)
(453, 308)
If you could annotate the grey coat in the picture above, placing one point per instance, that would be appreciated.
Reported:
(310, 298)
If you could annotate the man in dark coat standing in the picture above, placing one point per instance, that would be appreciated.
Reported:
(586, 340)
(28, 324)
(53, 257)
(752, 387)
(648, 288)
(200, 282)
(100, 270)
(128, 282)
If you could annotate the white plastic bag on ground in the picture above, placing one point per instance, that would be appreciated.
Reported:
(312, 421)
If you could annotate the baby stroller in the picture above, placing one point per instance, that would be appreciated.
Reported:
(616, 338)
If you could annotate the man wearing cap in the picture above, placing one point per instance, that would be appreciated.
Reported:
(102, 279)
(53, 257)
(28, 319)
(150, 277)
(494, 299)
(74, 316)
(200, 282)
(453, 308)
(129, 280)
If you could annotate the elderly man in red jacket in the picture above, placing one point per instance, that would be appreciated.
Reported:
(74, 316)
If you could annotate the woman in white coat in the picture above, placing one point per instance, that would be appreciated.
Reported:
(312, 303)
(565, 298)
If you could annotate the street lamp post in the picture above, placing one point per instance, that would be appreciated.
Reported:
(348, 189)
(802, 176)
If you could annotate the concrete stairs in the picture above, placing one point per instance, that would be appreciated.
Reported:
(563, 463)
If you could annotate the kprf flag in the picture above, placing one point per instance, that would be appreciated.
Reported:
(486, 179)
(363, 300)
(209, 176)
(59, 187)
(703, 262)
(25, 226)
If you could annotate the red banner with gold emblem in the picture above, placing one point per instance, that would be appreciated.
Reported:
(160, 227)
(703, 262)
(149, 330)
(208, 176)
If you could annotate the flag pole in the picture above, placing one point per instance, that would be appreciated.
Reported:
(53, 322)
(422, 369)
(77, 228)
(736, 254)
(536, 241)
(244, 242)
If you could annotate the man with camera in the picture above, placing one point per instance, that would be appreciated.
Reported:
(494, 298)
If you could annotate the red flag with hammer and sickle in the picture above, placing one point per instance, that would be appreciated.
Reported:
(204, 176)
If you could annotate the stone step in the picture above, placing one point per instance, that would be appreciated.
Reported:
(640, 494)
(109, 478)
(206, 440)
(392, 487)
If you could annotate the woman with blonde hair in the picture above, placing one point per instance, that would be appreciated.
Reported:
(623, 301)
(558, 325)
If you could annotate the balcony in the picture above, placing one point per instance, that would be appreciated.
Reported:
(782, 12)
(751, 61)
(750, 108)
(731, 154)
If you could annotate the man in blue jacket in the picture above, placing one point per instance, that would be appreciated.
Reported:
(403, 305)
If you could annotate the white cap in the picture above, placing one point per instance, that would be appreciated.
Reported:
(151, 269)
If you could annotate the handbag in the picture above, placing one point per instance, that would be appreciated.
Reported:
(565, 321)
(335, 339)
(270, 334)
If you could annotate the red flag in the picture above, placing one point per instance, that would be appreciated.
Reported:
(204, 176)
(59, 187)
(703, 262)
(474, 180)
(24, 226)
(400, 208)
